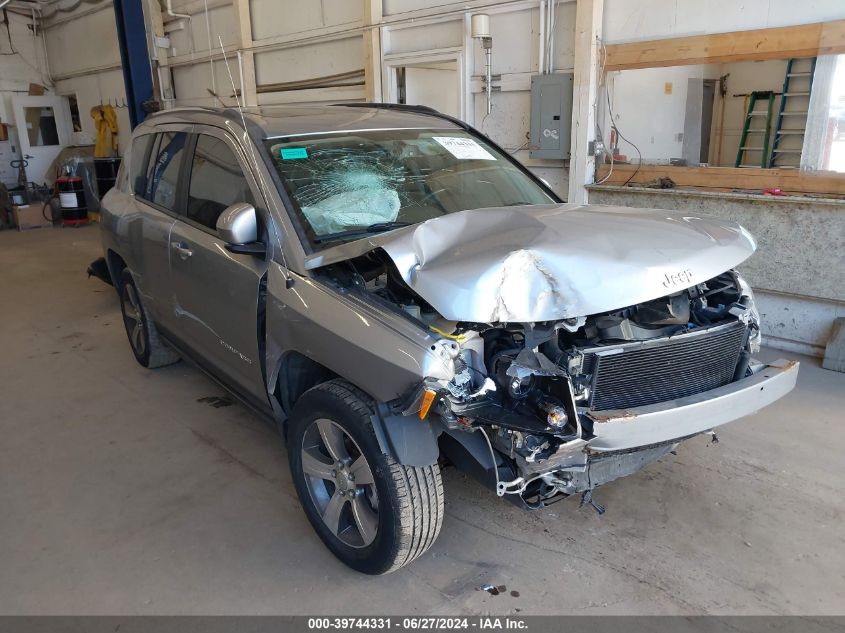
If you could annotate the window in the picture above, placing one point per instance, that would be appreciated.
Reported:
(138, 162)
(75, 120)
(730, 114)
(41, 126)
(162, 175)
(372, 180)
(824, 144)
(746, 110)
(217, 181)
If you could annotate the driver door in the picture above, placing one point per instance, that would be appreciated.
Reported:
(216, 292)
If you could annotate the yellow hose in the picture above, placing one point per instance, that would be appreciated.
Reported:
(455, 337)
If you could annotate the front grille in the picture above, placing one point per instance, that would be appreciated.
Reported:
(663, 370)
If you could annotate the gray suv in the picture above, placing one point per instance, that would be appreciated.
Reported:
(394, 292)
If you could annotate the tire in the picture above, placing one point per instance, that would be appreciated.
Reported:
(148, 348)
(387, 514)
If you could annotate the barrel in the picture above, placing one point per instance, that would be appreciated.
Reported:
(72, 200)
(106, 171)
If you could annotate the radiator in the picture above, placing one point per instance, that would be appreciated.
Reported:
(634, 375)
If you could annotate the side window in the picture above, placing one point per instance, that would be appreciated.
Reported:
(162, 174)
(138, 162)
(217, 181)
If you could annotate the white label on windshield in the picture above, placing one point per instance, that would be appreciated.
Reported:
(464, 148)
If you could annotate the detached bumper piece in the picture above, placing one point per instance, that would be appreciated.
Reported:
(622, 429)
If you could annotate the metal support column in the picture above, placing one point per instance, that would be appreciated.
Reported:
(134, 57)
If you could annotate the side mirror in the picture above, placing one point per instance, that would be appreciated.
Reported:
(238, 227)
(238, 224)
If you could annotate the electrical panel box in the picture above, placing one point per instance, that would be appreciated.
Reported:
(551, 115)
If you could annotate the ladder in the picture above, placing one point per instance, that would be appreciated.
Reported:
(753, 126)
(792, 113)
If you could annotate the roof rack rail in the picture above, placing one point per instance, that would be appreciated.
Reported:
(420, 109)
(392, 106)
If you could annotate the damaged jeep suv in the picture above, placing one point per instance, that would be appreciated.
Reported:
(394, 292)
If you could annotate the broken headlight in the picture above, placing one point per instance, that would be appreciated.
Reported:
(755, 338)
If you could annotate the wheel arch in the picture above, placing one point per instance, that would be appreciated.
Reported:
(293, 375)
(115, 264)
(407, 439)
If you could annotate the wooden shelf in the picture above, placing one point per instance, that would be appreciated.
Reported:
(731, 178)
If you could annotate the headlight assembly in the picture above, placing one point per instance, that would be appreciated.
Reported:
(753, 314)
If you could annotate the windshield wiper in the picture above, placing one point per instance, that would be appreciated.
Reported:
(378, 227)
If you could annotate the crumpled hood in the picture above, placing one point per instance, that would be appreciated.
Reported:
(550, 262)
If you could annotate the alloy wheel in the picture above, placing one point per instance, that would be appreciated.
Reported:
(133, 320)
(340, 482)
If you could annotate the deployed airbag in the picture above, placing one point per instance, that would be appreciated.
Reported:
(349, 209)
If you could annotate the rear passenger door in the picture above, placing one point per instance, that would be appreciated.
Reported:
(156, 164)
(216, 292)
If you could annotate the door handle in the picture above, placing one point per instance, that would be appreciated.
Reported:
(184, 251)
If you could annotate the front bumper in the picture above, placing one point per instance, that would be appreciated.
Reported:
(623, 429)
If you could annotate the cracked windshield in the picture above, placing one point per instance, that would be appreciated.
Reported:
(349, 185)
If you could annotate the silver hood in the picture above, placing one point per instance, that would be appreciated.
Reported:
(550, 262)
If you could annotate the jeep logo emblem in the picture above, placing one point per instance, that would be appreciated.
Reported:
(675, 279)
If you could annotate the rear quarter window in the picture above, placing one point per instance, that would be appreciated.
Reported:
(160, 180)
(138, 155)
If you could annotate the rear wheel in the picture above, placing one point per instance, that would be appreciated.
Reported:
(374, 514)
(150, 351)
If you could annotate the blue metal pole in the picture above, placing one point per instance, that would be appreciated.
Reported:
(134, 57)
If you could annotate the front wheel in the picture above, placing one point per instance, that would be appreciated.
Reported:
(373, 513)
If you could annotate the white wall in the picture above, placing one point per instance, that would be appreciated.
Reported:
(297, 41)
(310, 61)
(84, 60)
(17, 71)
(632, 20)
(515, 28)
(649, 107)
(293, 40)
(435, 87)
(271, 18)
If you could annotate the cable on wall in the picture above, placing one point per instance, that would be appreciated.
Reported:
(624, 138)
(613, 124)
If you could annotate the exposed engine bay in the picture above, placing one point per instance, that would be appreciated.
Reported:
(535, 390)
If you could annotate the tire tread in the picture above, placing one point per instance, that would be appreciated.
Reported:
(418, 490)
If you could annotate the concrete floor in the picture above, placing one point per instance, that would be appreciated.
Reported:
(121, 492)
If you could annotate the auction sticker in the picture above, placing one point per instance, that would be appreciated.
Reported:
(290, 153)
(464, 148)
